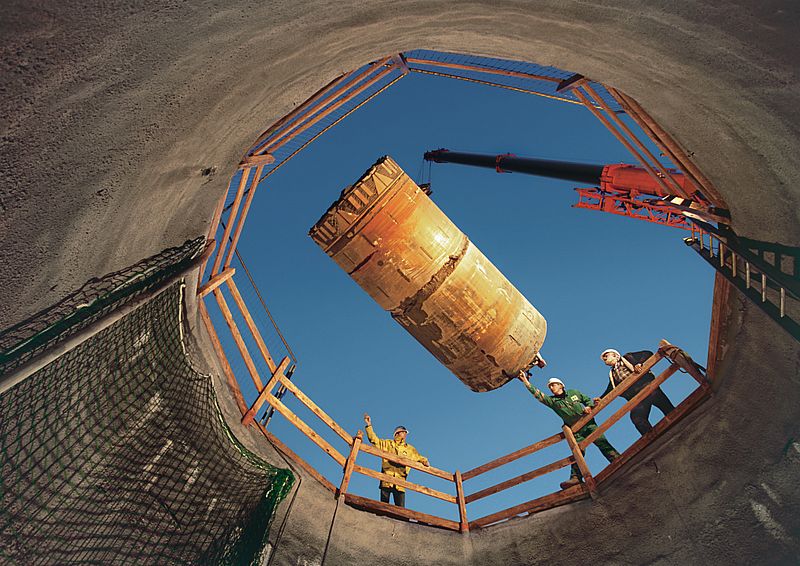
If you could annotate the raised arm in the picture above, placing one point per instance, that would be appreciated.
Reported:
(371, 436)
(541, 397)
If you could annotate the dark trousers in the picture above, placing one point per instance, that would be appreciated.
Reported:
(640, 415)
(601, 442)
(399, 496)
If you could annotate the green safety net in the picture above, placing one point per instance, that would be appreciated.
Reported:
(96, 298)
(117, 453)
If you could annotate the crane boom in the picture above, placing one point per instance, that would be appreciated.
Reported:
(618, 188)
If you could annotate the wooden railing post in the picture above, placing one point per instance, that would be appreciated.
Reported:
(578, 455)
(462, 505)
(350, 463)
(264, 394)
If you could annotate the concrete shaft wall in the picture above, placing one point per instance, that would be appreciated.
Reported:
(112, 111)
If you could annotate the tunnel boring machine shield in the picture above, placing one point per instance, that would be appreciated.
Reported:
(391, 238)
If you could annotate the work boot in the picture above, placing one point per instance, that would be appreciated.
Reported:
(569, 483)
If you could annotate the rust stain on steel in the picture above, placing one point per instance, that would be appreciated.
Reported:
(416, 264)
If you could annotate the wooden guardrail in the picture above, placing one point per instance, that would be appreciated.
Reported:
(221, 281)
(356, 446)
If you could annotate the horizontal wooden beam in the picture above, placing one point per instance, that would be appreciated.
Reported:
(215, 282)
(305, 429)
(322, 415)
(626, 384)
(522, 478)
(238, 339)
(370, 449)
(289, 453)
(405, 483)
(630, 405)
(251, 325)
(562, 497)
(257, 160)
(401, 512)
(536, 446)
(230, 377)
(479, 69)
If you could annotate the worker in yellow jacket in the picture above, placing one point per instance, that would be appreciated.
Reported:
(398, 446)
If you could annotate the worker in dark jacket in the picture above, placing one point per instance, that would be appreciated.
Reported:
(571, 405)
(621, 367)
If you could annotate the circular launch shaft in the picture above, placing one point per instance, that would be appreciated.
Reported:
(414, 262)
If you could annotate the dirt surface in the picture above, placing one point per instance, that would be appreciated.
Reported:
(122, 122)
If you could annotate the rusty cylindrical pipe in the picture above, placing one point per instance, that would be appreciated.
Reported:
(414, 262)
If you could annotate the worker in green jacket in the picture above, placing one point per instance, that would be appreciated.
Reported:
(571, 405)
(399, 446)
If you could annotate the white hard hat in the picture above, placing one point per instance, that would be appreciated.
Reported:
(554, 380)
(610, 351)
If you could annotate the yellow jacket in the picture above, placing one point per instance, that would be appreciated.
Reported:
(401, 449)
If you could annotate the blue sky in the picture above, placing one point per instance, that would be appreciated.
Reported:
(600, 280)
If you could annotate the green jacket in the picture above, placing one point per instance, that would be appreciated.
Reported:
(403, 449)
(569, 407)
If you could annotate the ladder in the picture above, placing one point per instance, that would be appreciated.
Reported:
(767, 274)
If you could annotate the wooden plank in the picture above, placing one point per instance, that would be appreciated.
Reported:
(237, 338)
(215, 282)
(212, 231)
(262, 396)
(370, 449)
(581, 461)
(291, 117)
(480, 69)
(536, 446)
(394, 511)
(462, 504)
(623, 140)
(668, 145)
(231, 218)
(679, 190)
(243, 216)
(257, 161)
(322, 415)
(522, 478)
(251, 325)
(406, 484)
(233, 385)
(289, 453)
(619, 390)
(562, 497)
(722, 291)
(684, 408)
(351, 461)
(627, 407)
(305, 429)
(682, 359)
(311, 120)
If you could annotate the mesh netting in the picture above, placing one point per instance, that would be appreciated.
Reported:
(94, 300)
(117, 452)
